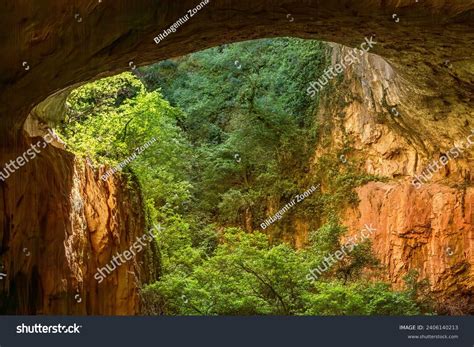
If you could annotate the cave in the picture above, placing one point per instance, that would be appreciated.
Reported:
(420, 74)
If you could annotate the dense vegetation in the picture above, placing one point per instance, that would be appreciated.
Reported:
(235, 140)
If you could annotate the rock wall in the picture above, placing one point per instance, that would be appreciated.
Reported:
(427, 227)
(429, 230)
(59, 223)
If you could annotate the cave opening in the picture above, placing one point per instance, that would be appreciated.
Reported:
(378, 124)
(249, 176)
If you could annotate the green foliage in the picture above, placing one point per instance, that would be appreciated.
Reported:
(104, 95)
(419, 291)
(335, 298)
(253, 127)
(327, 240)
(361, 258)
(246, 275)
(229, 142)
(110, 119)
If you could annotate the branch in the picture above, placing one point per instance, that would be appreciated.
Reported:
(278, 296)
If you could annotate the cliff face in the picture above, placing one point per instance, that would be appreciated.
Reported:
(60, 223)
(423, 213)
(429, 230)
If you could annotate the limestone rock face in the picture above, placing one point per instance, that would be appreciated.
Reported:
(60, 222)
(423, 212)
(428, 229)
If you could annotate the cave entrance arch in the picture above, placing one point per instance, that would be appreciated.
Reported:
(58, 46)
(64, 44)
